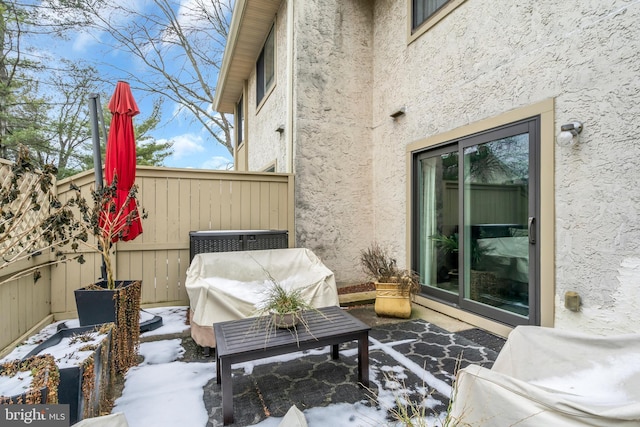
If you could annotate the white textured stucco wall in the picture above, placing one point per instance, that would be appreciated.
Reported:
(267, 146)
(333, 136)
(353, 67)
(489, 57)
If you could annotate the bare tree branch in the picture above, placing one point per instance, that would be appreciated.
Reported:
(179, 44)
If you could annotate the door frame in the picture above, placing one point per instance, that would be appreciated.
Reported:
(545, 219)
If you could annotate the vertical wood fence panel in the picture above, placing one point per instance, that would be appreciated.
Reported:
(23, 304)
(179, 201)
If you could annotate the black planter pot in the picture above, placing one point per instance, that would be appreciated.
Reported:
(120, 306)
(97, 306)
(70, 389)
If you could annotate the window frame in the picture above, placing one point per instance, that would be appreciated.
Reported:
(264, 86)
(416, 31)
(546, 273)
(239, 122)
(530, 126)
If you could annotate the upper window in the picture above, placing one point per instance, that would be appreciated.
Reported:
(265, 68)
(424, 9)
(427, 13)
(239, 121)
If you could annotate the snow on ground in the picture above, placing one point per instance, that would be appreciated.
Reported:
(164, 392)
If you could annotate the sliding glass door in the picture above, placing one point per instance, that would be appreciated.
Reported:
(475, 210)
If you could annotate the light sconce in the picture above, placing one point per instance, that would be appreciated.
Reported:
(399, 112)
(280, 129)
(569, 133)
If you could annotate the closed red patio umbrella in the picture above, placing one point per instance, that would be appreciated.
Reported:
(120, 160)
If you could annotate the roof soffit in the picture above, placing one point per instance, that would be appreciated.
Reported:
(250, 24)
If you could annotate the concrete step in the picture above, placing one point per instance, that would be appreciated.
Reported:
(357, 298)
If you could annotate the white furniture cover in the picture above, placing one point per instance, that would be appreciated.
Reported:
(114, 420)
(550, 377)
(228, 285)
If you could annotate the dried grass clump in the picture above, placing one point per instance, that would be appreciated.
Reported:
(381, 267)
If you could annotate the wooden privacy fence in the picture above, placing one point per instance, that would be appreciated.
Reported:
(24, 303)
(177, 201)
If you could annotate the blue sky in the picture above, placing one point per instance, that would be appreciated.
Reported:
(192, 145)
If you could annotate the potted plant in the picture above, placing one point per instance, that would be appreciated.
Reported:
(281, 308)
(448, 265)
(34, 222)
(395, 287)
(110, 300)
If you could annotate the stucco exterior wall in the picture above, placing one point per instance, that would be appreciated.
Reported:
(333, 54)
(266, 146)
(489, 57)
(353, 67)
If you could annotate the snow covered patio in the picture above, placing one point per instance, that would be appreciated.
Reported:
(546, 373)
(176, 385)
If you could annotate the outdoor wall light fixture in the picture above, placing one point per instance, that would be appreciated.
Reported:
(280, 128)
(569, 133)
(399, 112)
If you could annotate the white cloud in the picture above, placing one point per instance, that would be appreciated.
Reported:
(187, 152)
(179, 110)
(186, 145)
(218, 163)
(84, 41)
(192, 13)
(114, 12)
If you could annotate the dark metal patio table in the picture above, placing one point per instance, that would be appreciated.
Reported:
(244, 340)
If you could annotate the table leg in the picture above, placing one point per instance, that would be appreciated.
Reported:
(335, 351)
(218, 377)
(227, 391)
(363, 359)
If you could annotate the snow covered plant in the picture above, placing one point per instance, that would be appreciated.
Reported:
(22, 381)
(409, 410)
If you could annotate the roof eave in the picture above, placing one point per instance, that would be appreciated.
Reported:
(250, 24)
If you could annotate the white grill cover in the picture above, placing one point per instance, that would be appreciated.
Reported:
(228, 285)
(550, 377)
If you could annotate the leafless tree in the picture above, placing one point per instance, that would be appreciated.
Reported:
(180, 44)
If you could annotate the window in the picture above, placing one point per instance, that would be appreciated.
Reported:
(239, 121)
(424, 14)
(265, 68)
(424, 9)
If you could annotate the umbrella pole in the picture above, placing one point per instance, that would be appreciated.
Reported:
(94, 103)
